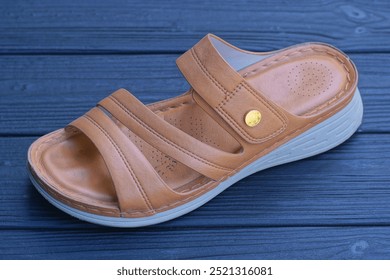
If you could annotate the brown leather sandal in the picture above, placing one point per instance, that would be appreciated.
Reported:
(125, 164)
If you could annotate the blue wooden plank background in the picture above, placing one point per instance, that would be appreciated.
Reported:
(59, 58)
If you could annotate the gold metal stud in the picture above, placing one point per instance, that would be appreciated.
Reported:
(252, 118)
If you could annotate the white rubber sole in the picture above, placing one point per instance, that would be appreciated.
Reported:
(320, 138)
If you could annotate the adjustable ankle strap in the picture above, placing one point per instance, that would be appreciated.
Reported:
(227, 92)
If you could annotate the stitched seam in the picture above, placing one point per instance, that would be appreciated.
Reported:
(318, 121)
(48, 189)
(339, 94)
(236, 125)
(169, 142)
(166, 109)
(229, 174)
(124, 159)
(340, 60)
(39, 148)
(93, 209)
(327, 103)
(246, 162)
(42, 163)
(208, 74)
(229, 95)
(257, 140)
(66, 200)
(131, 212)
(266, 103)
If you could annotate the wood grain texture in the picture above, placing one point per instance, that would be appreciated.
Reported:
(59, 58)
(199, 243)
(345, 186)
(51, 91)
(171, 26)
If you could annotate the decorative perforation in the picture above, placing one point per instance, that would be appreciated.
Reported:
(314, 49)
(309, 79)
(162, 163)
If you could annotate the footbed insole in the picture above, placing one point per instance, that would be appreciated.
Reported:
(301, 80)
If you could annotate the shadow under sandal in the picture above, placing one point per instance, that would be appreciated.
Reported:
(125, 164)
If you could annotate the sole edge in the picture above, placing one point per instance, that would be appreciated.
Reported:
(343, 125)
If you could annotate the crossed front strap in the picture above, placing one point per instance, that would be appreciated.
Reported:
(138, 186)
(205, 159)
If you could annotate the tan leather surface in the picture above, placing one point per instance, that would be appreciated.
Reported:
(201, 157)
(127, 159)
(231, 96)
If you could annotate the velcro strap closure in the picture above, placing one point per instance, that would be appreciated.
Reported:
(228, 93)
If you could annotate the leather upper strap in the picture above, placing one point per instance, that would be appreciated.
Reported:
(205, 159)
(228, 93)
(138, 186)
